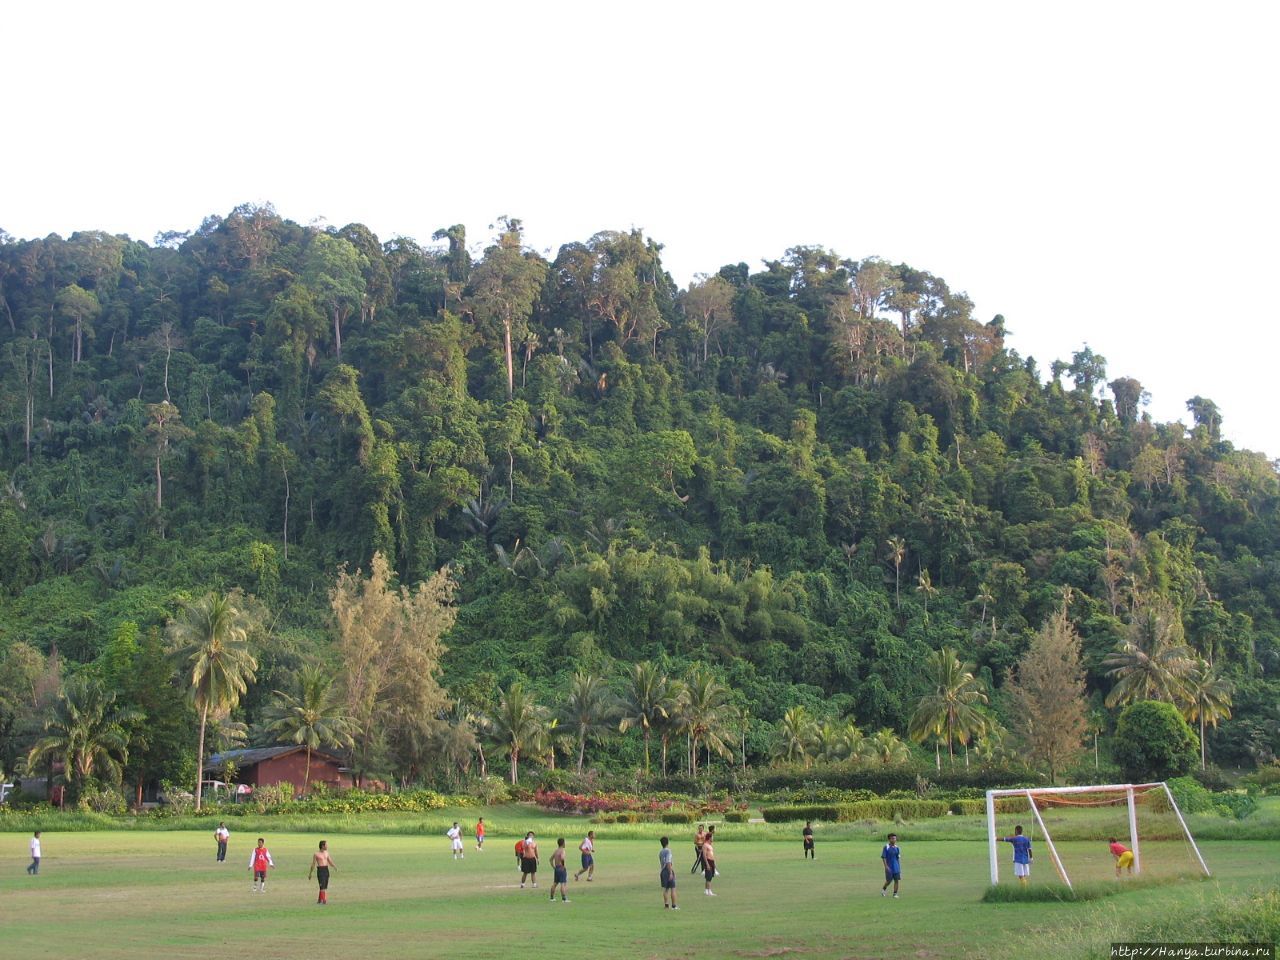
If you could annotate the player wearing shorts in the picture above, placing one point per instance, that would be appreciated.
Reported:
(1022, 854)
(698, 837)
(1123, 855)
(529, 860)
(588, 849)
(667, 875)
(454, 834)
(560, 876)
(807, 835)
(480, 834)
(892, 857)
(259, 861)
(709, 861)
(519, 853)
(322, 863)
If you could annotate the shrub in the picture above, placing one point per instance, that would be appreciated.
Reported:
(272, 797)
(1264, 779)
(1153, 742)
(1237, 805)
(1214, 778)
(883, 809)
(1190, 795)
(880, 779)
(678, 816)
(101, 799)
(736, 816)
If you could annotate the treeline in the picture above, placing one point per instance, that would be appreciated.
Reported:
(807, 479)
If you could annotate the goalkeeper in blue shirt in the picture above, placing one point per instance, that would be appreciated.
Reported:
(1021, 854)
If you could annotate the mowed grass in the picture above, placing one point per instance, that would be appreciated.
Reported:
(141, 894)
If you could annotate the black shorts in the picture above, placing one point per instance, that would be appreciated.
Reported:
(808, 843)
(667, 878)
(561, 875)
(528, 865)
(710, 873)
(322, 875)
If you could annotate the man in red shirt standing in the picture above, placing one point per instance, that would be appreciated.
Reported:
(259, 861)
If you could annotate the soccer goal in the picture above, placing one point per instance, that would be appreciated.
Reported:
(1131, 795)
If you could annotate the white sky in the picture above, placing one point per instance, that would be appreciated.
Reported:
(1097, 172)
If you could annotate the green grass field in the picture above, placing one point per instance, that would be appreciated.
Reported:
(142, 894)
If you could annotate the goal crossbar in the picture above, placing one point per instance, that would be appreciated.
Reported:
(1129, 791)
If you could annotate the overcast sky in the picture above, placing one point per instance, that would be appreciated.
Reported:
(1100, 173)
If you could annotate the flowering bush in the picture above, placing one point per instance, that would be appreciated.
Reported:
(652, 805)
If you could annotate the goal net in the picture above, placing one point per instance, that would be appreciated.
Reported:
(1132, 812)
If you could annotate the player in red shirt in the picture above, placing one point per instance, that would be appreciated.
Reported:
(1123, 855)
(259, 861)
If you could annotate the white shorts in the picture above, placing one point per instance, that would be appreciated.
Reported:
(1022, 869)
(457, 844)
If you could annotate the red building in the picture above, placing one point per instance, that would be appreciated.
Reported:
(263, 766)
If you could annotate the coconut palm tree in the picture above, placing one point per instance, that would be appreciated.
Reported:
(926, 589)
(86, 732)
(1207, 699)
(312, 716)
(796, 736)
(950, 709)
(673, 724)
(1153, 661)
(518, 724)
(886, 747)
(210, 642)
(703, 707)
(646, 701)
(589, 710)
(897, 553)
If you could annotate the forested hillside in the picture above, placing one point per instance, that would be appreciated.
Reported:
(806, 477)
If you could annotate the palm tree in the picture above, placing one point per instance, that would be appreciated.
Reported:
(853, 742)
(949, 711)
(828, 743)
(311, 716)
(1153, 662)
(589, 708)
(211, 640)
(86, 732)
(1207, 699)
(518, 724)
(673, 724)
(926, 589)
(887, 747)
(646, 701)
(897, 553)
(984, 596)
(703, 707)
(797, 733)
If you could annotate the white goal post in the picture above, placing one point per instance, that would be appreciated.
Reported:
(1128, 790)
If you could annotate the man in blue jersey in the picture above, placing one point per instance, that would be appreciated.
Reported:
(1021, 854)
(891, 854)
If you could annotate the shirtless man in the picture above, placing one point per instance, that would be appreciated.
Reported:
(321, 864)
(561, 876)
(529, 860)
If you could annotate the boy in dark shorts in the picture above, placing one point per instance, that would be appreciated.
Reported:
(667, 875)
(322, 863)
(709, 861)
(891, 855)
(588, 849)
(560, 878)
(807, 834)
(699, 835)
(529, 860)
(259, 861)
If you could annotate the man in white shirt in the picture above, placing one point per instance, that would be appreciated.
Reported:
(222, 835)
(35, 855)
(588, 848)
(454, 833)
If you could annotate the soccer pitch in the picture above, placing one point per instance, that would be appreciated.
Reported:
(135, 895)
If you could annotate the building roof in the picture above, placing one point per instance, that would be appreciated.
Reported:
(251, 755)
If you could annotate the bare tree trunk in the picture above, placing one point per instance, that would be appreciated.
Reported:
(506, 345)
(337, 334)
(204, 717)
(306, 775)
(285, 471)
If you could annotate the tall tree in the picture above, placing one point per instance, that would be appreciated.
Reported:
(1206, 699)
(1050, 713)
(389, 643)
(703, 708)
(796, 737)
(949, 710)
(504, 288)
(333, 271)
(589, 709)
(311, 715)
(87, 732)
(210, 642)
(646, 700)
(708, 305)
(1153, 661)
(519, 725)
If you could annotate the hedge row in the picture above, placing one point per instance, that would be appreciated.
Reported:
(885, 809)
(881, 779)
